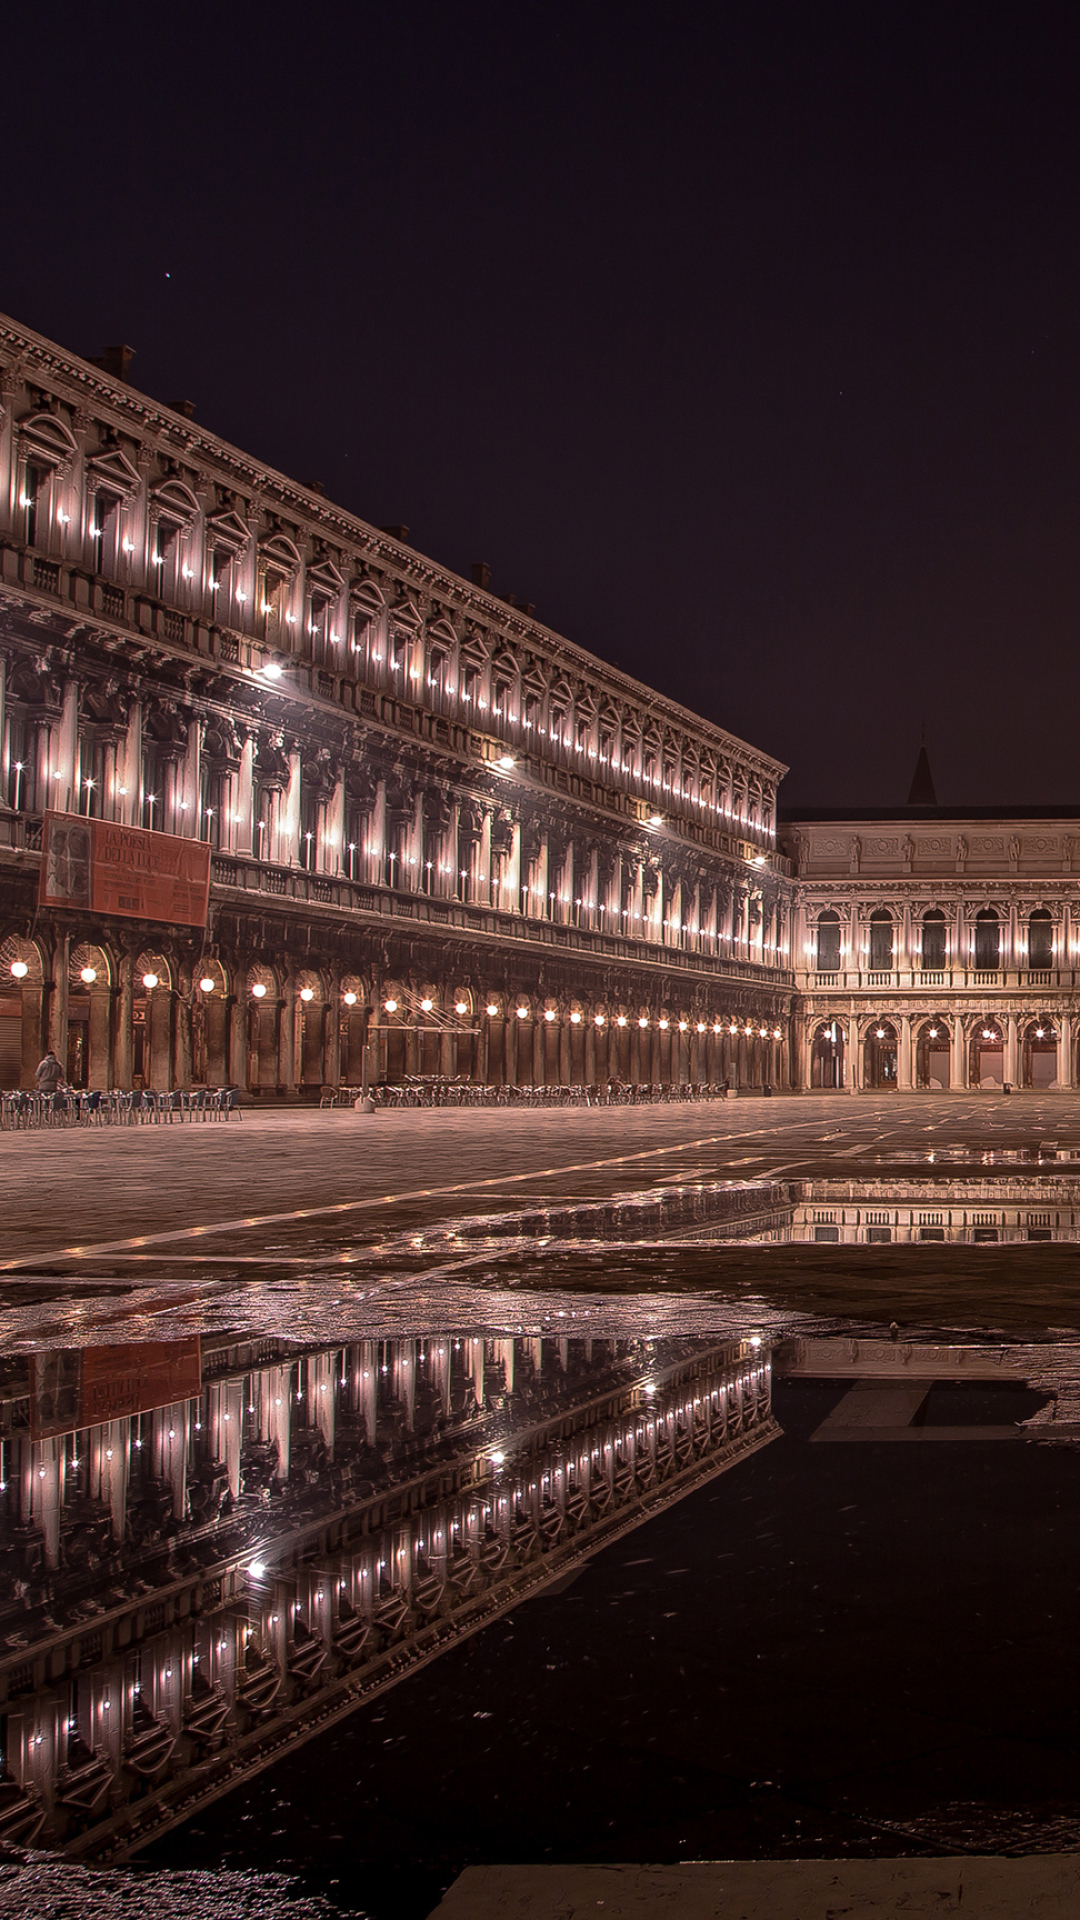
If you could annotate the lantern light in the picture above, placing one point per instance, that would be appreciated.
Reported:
(663, 1025)
(576, 1019)
(150, 981)
(391, 1006)
(492, 1008)
(349, 999)
(20, 969)
(621, 1021)
(548, 1014)
(644, 1020)
(461, 1006)
(598, 1019)
(259, 990)
(523, 1013)
(426, 1006)
(88, 975)
(307, 993)
(207, 984)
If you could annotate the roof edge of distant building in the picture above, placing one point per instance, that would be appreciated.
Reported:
(799, 815)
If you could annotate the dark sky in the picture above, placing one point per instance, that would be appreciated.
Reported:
(744, 339)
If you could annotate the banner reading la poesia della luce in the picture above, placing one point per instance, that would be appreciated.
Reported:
(107, 868)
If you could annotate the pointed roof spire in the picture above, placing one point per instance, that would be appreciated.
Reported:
(923, 792)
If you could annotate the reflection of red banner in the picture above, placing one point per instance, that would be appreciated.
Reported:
(123, 870)
(79, 1388)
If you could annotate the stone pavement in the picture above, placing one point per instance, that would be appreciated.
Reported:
(80, 1187)
(976, 1888)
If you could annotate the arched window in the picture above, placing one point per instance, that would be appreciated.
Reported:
(1041, 940)
(933, 939)
(987, 939)
(881, 941)
(828, 942)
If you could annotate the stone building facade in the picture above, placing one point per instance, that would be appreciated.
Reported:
(444, 839)
(936, 951)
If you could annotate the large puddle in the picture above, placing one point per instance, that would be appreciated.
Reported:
(529, 1538)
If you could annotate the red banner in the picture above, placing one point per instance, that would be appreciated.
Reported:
(110, 869)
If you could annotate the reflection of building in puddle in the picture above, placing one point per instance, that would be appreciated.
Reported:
(195, 1583)
(965, 1209)
(686, 1210)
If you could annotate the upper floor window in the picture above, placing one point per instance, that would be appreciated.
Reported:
(933, 938)
(532, 711)
(1041, 939)
(987, 939)
(827, 956)
(881, 941)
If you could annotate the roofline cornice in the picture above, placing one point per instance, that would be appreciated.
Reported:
(76, 379)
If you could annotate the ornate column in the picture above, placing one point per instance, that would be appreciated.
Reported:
(244, 797)
(852, 1063)
(58, 999)
(288, 850)
(903, 1056)
(122, 1035)
(1065, 1077)
(1009, 1070)
(958, 1054)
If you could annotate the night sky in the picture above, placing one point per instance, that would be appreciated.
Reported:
(743, 339)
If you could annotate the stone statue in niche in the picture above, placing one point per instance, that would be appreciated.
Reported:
(854, 853)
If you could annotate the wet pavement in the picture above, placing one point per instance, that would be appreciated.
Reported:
(702, 1483)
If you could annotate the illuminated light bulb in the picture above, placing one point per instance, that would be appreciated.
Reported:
(349, 999)
(273, 670)
(461, 1006)
(701, 1026)
(523, 1013)
(777, 1033)
(599, 1019)
(763, 1033)
(307, 993)
(88, 974)
(150, 981)
(506, 760)
(426, 1006)
(576, 1019)
(20, 969)
(548, 1014)
(258, 990)
(496, 1461)
(621, 1020)
(933, 1033)
(656, 819)
(391, 1006)
(663, 1025)
(206, 984)
(492, 1008)
(683, 1024)
(644, 1020)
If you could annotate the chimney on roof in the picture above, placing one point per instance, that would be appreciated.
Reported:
(115, 361)
(186, 407)
(480, 575)
(397, 533)
(923, 793)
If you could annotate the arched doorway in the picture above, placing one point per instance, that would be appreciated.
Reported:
(987, 1052)
(152, 1023)
(89, 1042)
(933, 1055)
(827, 1057)
(880, 1057)
(1038, 1054)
